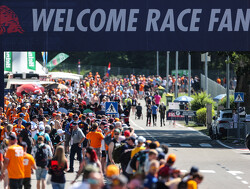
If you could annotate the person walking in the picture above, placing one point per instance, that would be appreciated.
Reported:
(95, 138)
(14, 163)
(42, 153)
(77, 139)
(149, 115)
(57, 167)
(29, 164)
(162, 110)
(154, 113)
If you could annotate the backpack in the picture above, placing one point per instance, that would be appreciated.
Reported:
(182, 185)
(117, 152)
(133, 160)
(107, 139)
(41, 156)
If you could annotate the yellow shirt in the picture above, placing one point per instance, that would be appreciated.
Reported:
(136, 150)
(192, 184)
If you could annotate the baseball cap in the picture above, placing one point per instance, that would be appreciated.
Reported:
(171, 157)
(141, 139)
(194, 169)
(21, 115)
(126, 133)
(23, 108)
(117, 119)
(71, 114)
(132, 138)
(54, 114)
(41, 127)
(12, 136)
(60, 131)
(117, 131)
(112, 170)
(74, 123)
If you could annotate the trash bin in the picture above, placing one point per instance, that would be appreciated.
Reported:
(161, 90)
(169, 98)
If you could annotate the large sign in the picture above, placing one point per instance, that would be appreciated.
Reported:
(8, 61)
(31, 60)
(180, 115)
(96, 25)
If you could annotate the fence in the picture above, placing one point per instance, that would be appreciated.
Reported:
(214, 88)
(244, 130)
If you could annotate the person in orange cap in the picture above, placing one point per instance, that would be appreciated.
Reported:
(26, 115)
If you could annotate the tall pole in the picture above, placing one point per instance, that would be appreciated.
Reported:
(79, 67)
(157, 63)
(227, 80)
(176, 74)
(206, 84)
(189, 74)
(167, 71)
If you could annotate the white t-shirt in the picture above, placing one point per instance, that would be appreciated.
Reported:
(33, 126)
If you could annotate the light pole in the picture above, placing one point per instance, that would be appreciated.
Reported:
(167, 71)
(157, 63)
(189, 74)
(176, 74)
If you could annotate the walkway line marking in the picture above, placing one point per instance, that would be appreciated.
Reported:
(185, 145)
(207, 171)
(238, 177)
(235, 172)
(206, 145)
(244, 182)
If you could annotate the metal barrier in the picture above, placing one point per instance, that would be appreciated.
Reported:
(231, 133)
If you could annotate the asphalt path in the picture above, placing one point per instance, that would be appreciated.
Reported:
(222, 167)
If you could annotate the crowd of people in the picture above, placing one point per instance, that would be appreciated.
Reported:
(46, 133)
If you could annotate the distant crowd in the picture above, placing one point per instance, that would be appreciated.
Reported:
(46, 133)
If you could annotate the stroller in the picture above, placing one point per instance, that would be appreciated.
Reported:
(138, 113)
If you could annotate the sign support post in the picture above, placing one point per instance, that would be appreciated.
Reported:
(157, 63)
(238, 98)
(206, 84)
(228, 79)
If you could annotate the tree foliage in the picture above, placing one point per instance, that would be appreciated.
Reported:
(200, 100)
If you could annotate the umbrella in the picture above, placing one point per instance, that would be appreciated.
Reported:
(219, 97)
(62, 110)
(57, 86)
(29, 88)
(183, 99)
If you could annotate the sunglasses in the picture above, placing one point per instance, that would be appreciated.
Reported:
(116, 133)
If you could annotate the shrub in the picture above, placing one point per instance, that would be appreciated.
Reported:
(223, 102)
(201, 115)
(200, 101)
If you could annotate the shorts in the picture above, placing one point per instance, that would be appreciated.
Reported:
(103, 153)
(140, 92)
(15, 183)
(41, 173)
(67, 139)
(85, 143)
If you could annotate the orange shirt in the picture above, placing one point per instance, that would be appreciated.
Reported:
(28, 162)
(2, 135)
(13, 117)
(26, 116)
(18, 129)
(141, 87)
(15, 168)
(191, 184)
(95, 139)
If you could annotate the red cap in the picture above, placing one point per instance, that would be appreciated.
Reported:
(126, 133)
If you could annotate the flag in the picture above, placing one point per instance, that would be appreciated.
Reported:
(58, 59)
(31, 60)
(109, 68)
(46, 58)
(43, 55)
